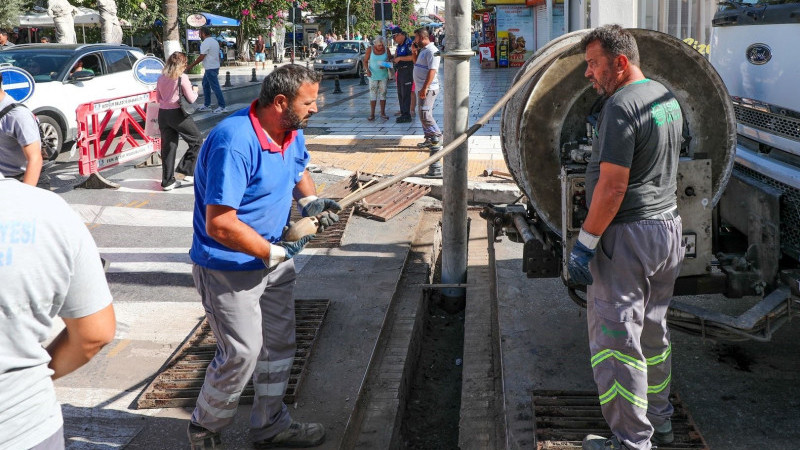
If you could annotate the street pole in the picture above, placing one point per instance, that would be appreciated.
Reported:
(383, 19)
(348, 20)
(456, 121)
(294, 27)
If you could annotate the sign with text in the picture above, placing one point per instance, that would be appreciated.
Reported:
(515, 25)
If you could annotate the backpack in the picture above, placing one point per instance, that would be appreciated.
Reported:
(48, 150)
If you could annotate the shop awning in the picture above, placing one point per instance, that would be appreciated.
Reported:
(214, 20)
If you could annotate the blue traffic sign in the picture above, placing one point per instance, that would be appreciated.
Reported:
(17, 83)
(148, 69)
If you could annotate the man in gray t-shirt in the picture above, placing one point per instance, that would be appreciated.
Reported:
(426, 66)
(20, 145)
(49, 266)
(634, 229)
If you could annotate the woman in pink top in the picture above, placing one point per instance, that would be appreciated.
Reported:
(173, 122)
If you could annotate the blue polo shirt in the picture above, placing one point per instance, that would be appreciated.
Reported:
(404, 49)
(241, 167)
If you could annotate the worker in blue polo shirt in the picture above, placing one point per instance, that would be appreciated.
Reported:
(248, 170)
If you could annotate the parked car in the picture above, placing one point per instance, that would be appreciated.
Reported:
(107, 73)
(342, 58)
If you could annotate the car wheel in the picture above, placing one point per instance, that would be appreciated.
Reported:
(359, 71)
(51, 132)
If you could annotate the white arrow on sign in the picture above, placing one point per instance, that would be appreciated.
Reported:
(10, 86)
(144, 71)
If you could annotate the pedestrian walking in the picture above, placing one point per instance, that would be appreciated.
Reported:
(250, 167)
(174, 122)
(50, 267)
(377, 61)
(426, 68)
(404, 72)
(629, 249)
(209, 56)
(20, 143)
(260, 49)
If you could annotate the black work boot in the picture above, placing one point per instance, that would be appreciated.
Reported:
(203, 439)
(663, 434)
(298, 434)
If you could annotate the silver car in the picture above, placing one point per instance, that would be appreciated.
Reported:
(342, 58)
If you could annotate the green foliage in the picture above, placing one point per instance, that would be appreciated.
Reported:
(9, 13)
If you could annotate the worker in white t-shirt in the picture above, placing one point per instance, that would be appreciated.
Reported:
(209, 55)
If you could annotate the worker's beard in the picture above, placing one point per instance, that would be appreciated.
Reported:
(292, 121)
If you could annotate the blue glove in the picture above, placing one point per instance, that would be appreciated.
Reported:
(578, 264)
(284, 250)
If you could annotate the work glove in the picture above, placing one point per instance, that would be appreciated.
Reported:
(324, 208)
(578, 264)
(284, 250)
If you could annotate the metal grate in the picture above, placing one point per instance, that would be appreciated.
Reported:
(179, 381)
(783, 126)
(382, 205)
(564, 418)
(790, 210)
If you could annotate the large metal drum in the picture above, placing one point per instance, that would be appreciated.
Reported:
(552, 109)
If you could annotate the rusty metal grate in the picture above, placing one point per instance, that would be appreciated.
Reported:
(382, 205)
(179, 381)
(564, 418)
(332, 236)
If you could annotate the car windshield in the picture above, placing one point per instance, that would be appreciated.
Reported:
(342, 47)
(42, 64)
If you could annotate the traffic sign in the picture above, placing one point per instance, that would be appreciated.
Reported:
(147, 70)
(486, 17)
(17, 83)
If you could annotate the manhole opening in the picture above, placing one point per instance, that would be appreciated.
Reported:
(178, 383)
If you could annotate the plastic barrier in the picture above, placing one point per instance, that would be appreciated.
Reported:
(125, 141)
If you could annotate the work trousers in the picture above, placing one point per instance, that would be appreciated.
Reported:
(405, 79)
(174, 123)
(634, 273)
(211, 83)
(429, 125)
(252, 316)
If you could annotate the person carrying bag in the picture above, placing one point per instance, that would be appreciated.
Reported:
(175, 95)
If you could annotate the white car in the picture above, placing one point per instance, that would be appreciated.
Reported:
(106, 72)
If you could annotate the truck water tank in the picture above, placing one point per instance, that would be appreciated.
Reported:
(551, 111)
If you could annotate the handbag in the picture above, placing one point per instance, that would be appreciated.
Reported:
(151, 120)
(187, 107)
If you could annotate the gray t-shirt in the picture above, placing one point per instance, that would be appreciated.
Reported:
(427, 59)
(49, 266)
(18, 128)
(639, 128)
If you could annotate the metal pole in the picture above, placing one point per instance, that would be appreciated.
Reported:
(348, 19)
(383, 19)
(456, 121)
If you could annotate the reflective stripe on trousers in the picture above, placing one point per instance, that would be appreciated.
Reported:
(252, 316)
(634, 273)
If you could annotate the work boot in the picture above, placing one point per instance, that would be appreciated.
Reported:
(297, 435)
(663, 433)
(403, 119)
(426, 143)
(594, 442)
(203, 439)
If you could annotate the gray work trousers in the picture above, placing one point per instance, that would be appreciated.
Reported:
(252, 316)
(429, 126)
(634, 273)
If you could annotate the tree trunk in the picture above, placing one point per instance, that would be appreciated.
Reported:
(62, 13)
(172, 34)
(109, 22)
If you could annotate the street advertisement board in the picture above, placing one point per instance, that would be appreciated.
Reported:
(515, 29)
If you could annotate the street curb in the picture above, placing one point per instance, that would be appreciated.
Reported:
(478, 192)
(236, 94)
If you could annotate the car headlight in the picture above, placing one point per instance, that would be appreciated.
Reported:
(349, 61)
(319, 61)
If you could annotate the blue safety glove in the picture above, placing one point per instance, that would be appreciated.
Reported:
(324, 208)
(578, 264)
(283, 250)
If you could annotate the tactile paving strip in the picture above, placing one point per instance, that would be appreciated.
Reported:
(179, 381)
(564, 418)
